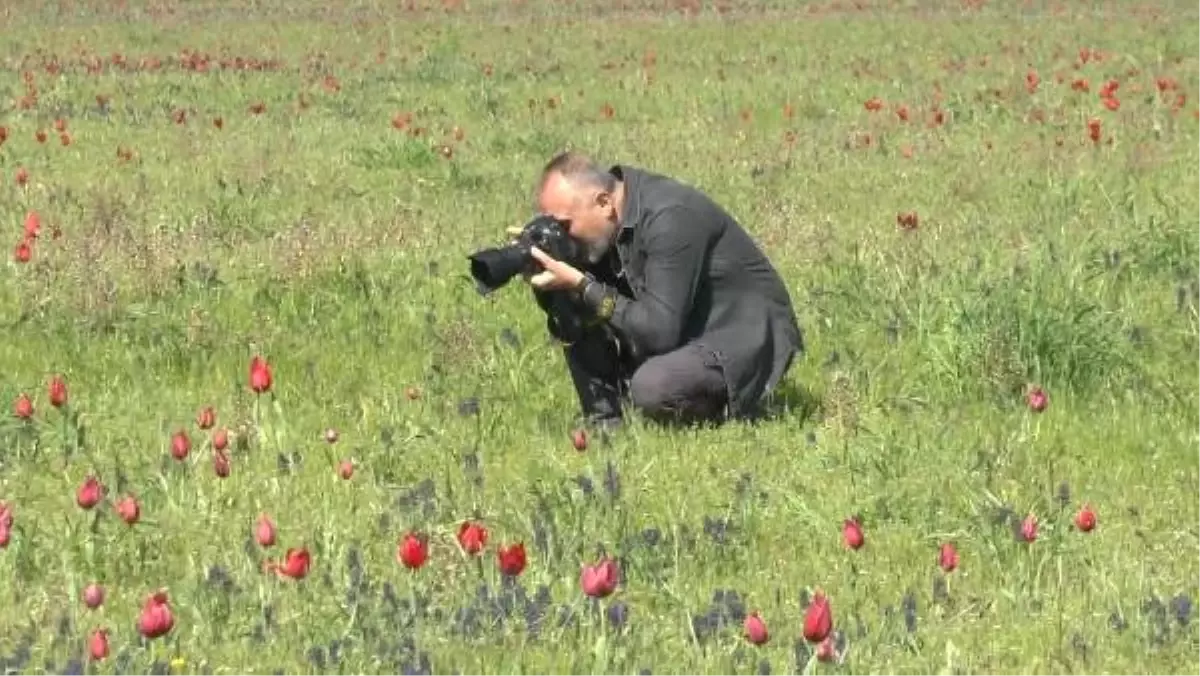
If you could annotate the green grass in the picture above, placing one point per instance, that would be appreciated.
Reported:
(334, 244)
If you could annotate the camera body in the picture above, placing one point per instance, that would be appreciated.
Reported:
(496, 267)
(550, 235)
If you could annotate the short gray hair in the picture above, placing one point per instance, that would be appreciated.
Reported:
(580, 170)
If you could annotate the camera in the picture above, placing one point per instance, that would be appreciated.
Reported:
(496, 267)
(493, 268)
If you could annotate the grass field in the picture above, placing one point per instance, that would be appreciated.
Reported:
(967, 202)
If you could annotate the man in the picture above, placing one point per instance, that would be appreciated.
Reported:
(689, 318)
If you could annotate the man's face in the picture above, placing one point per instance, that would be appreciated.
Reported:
(591, 213)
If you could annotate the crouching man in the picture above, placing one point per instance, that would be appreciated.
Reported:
(687, 318)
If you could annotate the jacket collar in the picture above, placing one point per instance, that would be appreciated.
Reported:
(632, 211)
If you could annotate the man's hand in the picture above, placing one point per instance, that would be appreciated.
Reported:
(556, 275)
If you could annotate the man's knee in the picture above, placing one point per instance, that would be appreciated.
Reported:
(650, 388)
(680, 384)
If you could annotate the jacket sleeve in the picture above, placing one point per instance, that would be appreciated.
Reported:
(675, 249)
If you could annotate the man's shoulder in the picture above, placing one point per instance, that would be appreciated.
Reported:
(661, 189)
(657, 193)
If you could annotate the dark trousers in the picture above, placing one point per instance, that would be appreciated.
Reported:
(684, 386)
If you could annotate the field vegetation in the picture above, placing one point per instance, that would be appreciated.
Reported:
(986, 460)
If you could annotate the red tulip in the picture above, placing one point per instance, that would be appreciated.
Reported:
(264, 531)
(93, 596)
(22, 253)
(295, 564)
(472, 537)
(33, 225)
(89, 493)
(948, 557)
(818, 620)
(755, 629)
(412, 551)
(599, 580)
(181, 445)
(1037, 400)
(852, 533)
(98, 645)
(58, 391)
(129, 510)
(511, 559)
(260, 375)
(23, 407)
(206, 418)
(1029, 528)
(220, 464)
(156, 619)
(579, 440)
(908, 220)
(346, 469)
(6, 521)
(1085, 520)
(220, 439)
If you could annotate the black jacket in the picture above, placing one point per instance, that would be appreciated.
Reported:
(696, 276)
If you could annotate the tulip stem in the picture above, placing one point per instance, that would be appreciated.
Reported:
(412, 599)
(601, 647)
(258, 433)
(63, 431)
